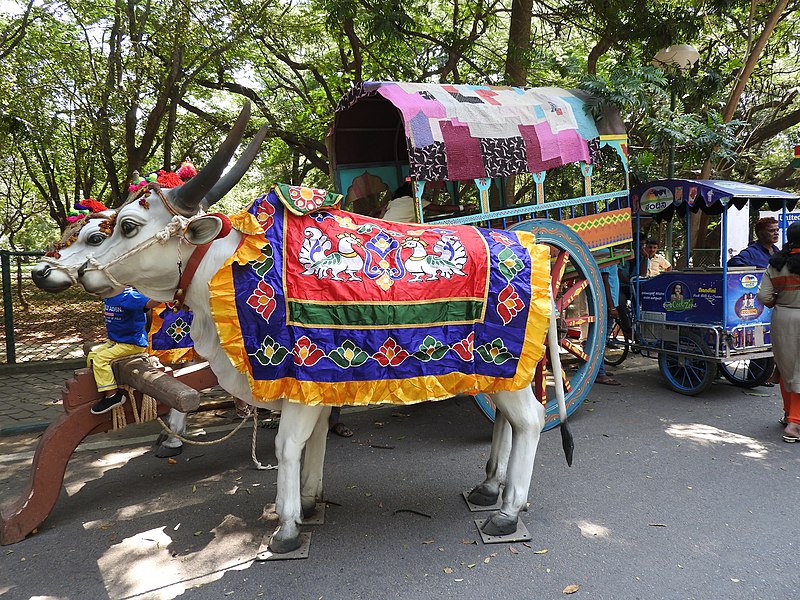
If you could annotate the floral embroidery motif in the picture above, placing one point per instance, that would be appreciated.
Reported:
(465, 347)
(264, 263)
(430, 349)
(265, 214)
(509, 264)
(178, 330)
(306, 199)
(306, 352)
(502, 239)
(390, 354)
(270, 353)
(263, 300)
(509, 304)
(348, 355)
(494, 352)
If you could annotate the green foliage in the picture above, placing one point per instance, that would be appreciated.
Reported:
(94, 90)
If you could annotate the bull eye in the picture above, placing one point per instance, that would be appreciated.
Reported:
(96, 239)
(129, 227)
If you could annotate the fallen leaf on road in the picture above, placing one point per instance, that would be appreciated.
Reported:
(469, 542)
(513, 550)
(447, 570)
(472, 566)
(487, 560)
(656, 524)
(572, 588)
(427, 541)
(542, 551)
(172, 461)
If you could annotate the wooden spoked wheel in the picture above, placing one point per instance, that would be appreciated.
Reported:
(580, 300)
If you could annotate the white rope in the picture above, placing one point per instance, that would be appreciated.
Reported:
(256, 462)
(175, 227)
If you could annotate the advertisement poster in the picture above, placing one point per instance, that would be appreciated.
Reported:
(683, 298)
(697, 298)
(747, 318)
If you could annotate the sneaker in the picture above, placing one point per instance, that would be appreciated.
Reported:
(106, 404)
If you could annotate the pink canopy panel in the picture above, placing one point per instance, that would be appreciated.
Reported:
(458, 132)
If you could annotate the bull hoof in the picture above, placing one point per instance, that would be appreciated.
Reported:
(499, 525)
(483, 496)
(168, 451)
(281, 545)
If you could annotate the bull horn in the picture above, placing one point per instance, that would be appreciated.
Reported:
(186, 198)
(235, 174)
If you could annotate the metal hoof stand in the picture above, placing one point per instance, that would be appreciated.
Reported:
(509, 159)
(703, 320)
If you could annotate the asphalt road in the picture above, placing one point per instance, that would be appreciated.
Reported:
(669, 497)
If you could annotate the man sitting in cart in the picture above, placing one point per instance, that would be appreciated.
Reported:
(758, 252)
(656, 262)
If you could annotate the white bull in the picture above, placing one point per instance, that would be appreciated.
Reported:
(147, 250)
(58, 270)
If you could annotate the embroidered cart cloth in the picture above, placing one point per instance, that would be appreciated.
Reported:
(319, 305)
(169, 336)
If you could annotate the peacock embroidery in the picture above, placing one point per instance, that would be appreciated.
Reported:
(317, 257)
(448, 259)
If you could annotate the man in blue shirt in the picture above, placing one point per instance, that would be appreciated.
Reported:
(126, 331)
(758, 252)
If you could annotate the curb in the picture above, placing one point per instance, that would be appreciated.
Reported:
(42, 366)
(25, 428)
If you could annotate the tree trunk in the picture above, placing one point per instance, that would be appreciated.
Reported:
(699, 221)
(519, 41)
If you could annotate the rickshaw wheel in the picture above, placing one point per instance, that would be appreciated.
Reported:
(572, 270)
(748, 372)
(688, 375)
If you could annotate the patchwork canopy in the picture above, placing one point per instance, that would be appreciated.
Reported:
(459, 132)
(663, 198)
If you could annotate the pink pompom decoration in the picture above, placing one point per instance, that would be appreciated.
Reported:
(187, 170)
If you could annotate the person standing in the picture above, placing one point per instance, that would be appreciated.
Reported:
(780, 290)
(758, 252)
(610, 276)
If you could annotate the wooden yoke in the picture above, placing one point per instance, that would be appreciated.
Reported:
(155, 380)
(179, 389)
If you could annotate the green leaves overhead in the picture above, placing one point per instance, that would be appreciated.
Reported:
(96, 89)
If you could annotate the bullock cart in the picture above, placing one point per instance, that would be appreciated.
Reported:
(698, 320)
(530, 159)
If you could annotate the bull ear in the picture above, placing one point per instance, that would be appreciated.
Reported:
(203, 229)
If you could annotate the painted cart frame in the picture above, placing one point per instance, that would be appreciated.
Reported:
(697, 321)
(477, 142)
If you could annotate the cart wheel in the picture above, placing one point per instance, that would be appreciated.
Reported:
(581, 323)
(617, 346)
(748, 372)
(687, 375)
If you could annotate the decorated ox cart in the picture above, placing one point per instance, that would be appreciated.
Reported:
(697, 320)
(530, 159)
(288, 312)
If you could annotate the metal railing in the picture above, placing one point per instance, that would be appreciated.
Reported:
(40, 326)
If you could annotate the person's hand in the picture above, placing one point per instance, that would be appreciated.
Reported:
(613, 313)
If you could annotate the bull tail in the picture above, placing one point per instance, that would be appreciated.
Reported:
(555, 360)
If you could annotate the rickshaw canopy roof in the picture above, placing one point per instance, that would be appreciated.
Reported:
(460, 132)
(663, 198)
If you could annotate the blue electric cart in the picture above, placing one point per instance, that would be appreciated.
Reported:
(697, 321)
